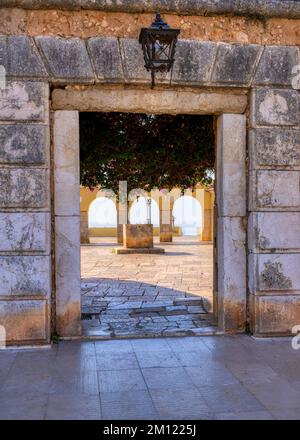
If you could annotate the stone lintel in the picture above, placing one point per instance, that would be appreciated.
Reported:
(149, 101)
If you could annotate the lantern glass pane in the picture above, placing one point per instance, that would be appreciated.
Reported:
(159, 42)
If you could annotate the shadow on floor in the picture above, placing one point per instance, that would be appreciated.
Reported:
(125, 308)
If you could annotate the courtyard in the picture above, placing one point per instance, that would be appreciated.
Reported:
(138, 295)
(210, 377)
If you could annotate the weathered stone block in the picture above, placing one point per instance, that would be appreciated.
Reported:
(275, 315)
(67, 247)
(276, 64)
(134, 64)
(231, 163)
(107, 58)
(274, 148)
(274, 107)
(24, 187)
(66, 57)
(25, 275)
(66, 163)
(274, 272)
(24, 144)
(138, 236)
(23, 58)
(193, 61)
(24, 100)
(133, 61)
(25, 321)
(231, 273)
(235, 63)
(25, 232)
(274, 231)
(274, 189)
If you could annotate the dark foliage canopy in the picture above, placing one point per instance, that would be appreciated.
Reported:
(149, 151)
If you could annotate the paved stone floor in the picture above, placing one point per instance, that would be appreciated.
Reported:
(209, 377)
(147, 295)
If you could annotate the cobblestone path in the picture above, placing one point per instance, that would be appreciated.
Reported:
(147, 295)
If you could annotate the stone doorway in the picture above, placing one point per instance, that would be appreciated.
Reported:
(229, 250)
(128, 292)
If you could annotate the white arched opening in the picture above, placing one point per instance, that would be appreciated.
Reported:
(102, 213)
(138, 212)
(187, 215)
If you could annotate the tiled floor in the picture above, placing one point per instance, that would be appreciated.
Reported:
(147, 295)
(210, 377)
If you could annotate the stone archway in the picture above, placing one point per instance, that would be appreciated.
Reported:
(187, 213)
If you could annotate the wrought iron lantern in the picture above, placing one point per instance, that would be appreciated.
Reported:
(158, 43)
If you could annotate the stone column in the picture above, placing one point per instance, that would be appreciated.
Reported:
(84, 228)
(166, 221)
(231, 208)
(119, 226)
(67, 222)
(87, 196)
(25, 218)
(207, 216)
(274, 205)
(212, 219)
(199, 195)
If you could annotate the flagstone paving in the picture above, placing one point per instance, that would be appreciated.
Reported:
(185, 378)
(147, 295)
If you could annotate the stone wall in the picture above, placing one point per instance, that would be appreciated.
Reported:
(25, 232)
(274, 205)
(67, 61)
(107, 73)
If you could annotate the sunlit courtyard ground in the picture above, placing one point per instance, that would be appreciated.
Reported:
(147, 295)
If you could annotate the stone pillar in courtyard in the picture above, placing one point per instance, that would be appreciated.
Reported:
(122, 211)
(84, 228)
(166, 220)
(119, 231)
(207, 216)
(87, 196)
